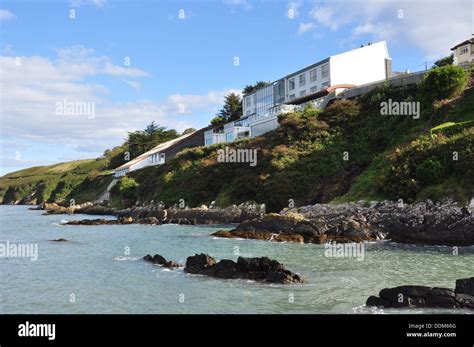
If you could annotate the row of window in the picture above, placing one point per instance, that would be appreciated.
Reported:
(313, 76)
(311, 91)
(463, 50)
(157, 158)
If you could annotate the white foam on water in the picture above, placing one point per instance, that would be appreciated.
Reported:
(122, 258)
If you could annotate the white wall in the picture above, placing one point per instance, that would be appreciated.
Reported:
(465, 57)
(359, 66)
(263, 126)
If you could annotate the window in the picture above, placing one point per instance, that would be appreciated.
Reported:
(463, 50)
(303, 93)
(313, 89)
(208, 141)
(291, 84)
(325, 85)
(162, 157)
(302, 79)
(229, 137)
(325, 71)
(247, 101)
(291, 97)
(313, 75)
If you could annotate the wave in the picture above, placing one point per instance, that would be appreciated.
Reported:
(122, 258)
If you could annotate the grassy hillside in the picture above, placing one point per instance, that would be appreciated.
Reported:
(349, 151)
(56, 182)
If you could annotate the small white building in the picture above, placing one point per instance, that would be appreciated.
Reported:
(316, 83)
(464, 53)
(159, 154)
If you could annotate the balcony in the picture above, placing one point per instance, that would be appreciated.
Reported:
(214, 136)
(273, 112)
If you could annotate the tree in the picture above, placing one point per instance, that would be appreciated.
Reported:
(444, 61)
(232, 110)
(253, 87)
(141, 141)
(188, 131)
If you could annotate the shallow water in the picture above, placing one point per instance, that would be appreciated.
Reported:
(95, 273)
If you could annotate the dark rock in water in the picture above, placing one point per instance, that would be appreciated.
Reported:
(259, 269)
(200, 264)
(422, 296)
(59, 240)
(160, 260)
(465, 300)
(93, 222)
(465, 286)
(149, 220)
(377, 301)
(293, 227)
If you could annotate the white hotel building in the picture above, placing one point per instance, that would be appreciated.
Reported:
(316, 84)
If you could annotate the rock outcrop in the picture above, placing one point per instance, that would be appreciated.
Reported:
(295, 227)
(99, 221)
(421, 223)
(421, 296)
(259, 269)
(160, 260)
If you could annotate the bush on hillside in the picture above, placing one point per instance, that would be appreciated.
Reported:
(340, 111)
(444, 82)
(429, 172)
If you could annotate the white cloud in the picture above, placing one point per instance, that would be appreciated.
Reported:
(96, 3)
(116, 70)
(431, 25)
(6, 15)
(134, 84)
(242, 3)
(31, 91)
(304, 27)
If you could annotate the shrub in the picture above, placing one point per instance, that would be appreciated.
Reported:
(444, 82)
(429, 172)
(340, 111)
(127, 187)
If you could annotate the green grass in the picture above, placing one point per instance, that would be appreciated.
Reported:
(53, 182)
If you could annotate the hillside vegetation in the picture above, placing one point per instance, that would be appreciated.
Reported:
(348, 151)
(56, 183)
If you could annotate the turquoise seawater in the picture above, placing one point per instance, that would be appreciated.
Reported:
(101, 271)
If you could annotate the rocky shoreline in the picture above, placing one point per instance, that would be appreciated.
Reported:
(426, 297)
(423, 223)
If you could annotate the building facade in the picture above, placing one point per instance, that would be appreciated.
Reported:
(464, 53)
(311, 84)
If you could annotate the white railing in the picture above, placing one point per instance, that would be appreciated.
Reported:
(273, 112)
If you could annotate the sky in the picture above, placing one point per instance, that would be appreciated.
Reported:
(169, 61)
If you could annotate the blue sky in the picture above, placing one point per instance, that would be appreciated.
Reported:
(180, 68)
